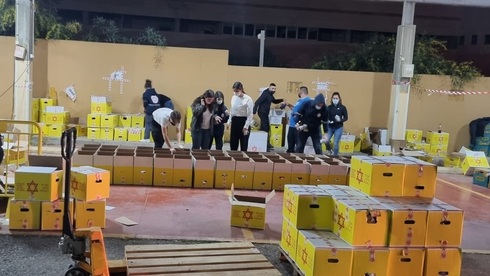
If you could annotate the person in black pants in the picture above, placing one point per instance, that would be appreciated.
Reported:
(310, 117)
(263, 106)
(221, 115)
(241, 117)
(202, 120)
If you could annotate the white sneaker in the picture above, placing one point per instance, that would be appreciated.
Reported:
(323, 140)
(145, 140)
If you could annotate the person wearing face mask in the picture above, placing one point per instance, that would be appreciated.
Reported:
(310, 117)
(263, 106)
(337, 114)
(241, 117)
(162, 118)
(221, 115)
(292, 131)
(202, 120)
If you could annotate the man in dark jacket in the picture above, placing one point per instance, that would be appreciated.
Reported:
(263, 106)
(310, 117)
(151, 102)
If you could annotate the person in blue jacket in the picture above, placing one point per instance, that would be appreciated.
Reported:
(311, 116)
(292, 131)
(337, 114)
(151, 102)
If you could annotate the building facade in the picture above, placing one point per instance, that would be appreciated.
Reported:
(297, 32)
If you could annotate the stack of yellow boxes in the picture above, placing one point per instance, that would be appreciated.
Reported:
(438, 142)
(38, 202)
(52, 119)
(188, 120)
(414, 140)
(101, 122)
(276, 137)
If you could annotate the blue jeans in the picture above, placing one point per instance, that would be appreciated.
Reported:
(148, 124)
(337, 134)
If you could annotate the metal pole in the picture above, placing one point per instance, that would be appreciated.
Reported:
(262, 45)
(402, 74)
(24, 40)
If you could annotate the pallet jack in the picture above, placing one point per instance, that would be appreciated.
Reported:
(92, 262)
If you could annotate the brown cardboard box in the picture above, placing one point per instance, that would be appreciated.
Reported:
(143, 168)
(319, 172)
(244, 173)
(83, 158)
(338, 173)
(105, 160)
(163, 170)
(123, 167)
(262, 179)
(182, 171)
(225, 172)
(204, 167)
(281, 174)
(300, 172)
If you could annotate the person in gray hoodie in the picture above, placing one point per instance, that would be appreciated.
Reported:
(310, 117)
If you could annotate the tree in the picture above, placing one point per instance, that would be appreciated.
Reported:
(376, 55)
(47, 23)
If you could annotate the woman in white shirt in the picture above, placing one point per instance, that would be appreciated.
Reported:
(162, 118)
(241, 117)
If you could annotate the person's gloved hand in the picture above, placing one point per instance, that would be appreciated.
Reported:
(337, 118)
(297, 126)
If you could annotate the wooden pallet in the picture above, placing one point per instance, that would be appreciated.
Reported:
(238, 258)
(286, 256)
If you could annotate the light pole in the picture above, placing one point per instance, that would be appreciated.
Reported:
(261, 36)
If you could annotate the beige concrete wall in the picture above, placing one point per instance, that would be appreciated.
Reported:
(186, 73)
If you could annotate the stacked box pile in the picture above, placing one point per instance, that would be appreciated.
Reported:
(387, 222)
(38, 202)
(483, 142)
(211, 168)
(52, 119)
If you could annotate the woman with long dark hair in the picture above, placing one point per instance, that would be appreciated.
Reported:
(202, 120)
(241, 117)
(337, 115)
(221, 115)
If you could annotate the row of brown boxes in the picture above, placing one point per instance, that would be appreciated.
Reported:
(211, 168)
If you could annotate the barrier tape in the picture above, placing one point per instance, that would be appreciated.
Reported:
(459, 93)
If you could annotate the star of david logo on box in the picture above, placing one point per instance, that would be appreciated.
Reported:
(32, 188)
(248, 215)
(74, 184)
(359, 176)
(304, 255)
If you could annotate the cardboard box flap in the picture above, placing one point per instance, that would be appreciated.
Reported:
(203, 157)
(124, 153)
(244, 199)
(46, 161)
(142, 148)
(92, 145)
(187, 157)
(223, 158)
(144, 154)
(163, 155)
(84, 152)
(34, 169)
(106, 153)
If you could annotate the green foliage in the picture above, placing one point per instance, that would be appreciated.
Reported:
(377, 55)
(47, 23)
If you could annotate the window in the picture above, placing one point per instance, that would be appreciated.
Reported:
(270, 31)
(452, 42)
(228, 28)
(70, 15)
(302, 33)
(237, 29)
(312, 33)
(474, 39)
(249, 29)
(360, 36)
(200, 26)
(292, 32)
(332, 35)
(487, 39)
(461, 40)
(281, 32)
(143, 22)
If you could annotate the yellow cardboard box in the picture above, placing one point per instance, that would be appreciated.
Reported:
(408, 222)
(359, 221)
(289, 238)
(182, 171)
(93, 133)
(342, 191)
(52, 214)
(120, 134)
(44, 129)
(38, 183)
(24, 215)
(453, 160)
(57, 118)
(107, 134)
(16, 156)
(248, 211)
(45, 102)
(101, 108)
(123, 167)
(105, 160)
(382, 150)
(138, 120)
(56, 130)
(81, 130)
(443, 261)
(163, 170)
(125, 120)
(225, 172)
(89, 183)
(319, 252)
(474, 160)
(406, 261)
(276, 137)
(109, 120)
(371, 261)
(413, 135)
(420, 178)
(93, 120)
(308, 207)
(90, 214)
(444, 225)
(135, 134)
(143, 168)
(36, 104)
(438, 150)
(419, 146)
(377, 176)
(436, 138)
(262, 178)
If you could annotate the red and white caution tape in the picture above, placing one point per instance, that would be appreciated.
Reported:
(460, 93)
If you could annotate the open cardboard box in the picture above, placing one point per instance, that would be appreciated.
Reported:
(248, 211)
